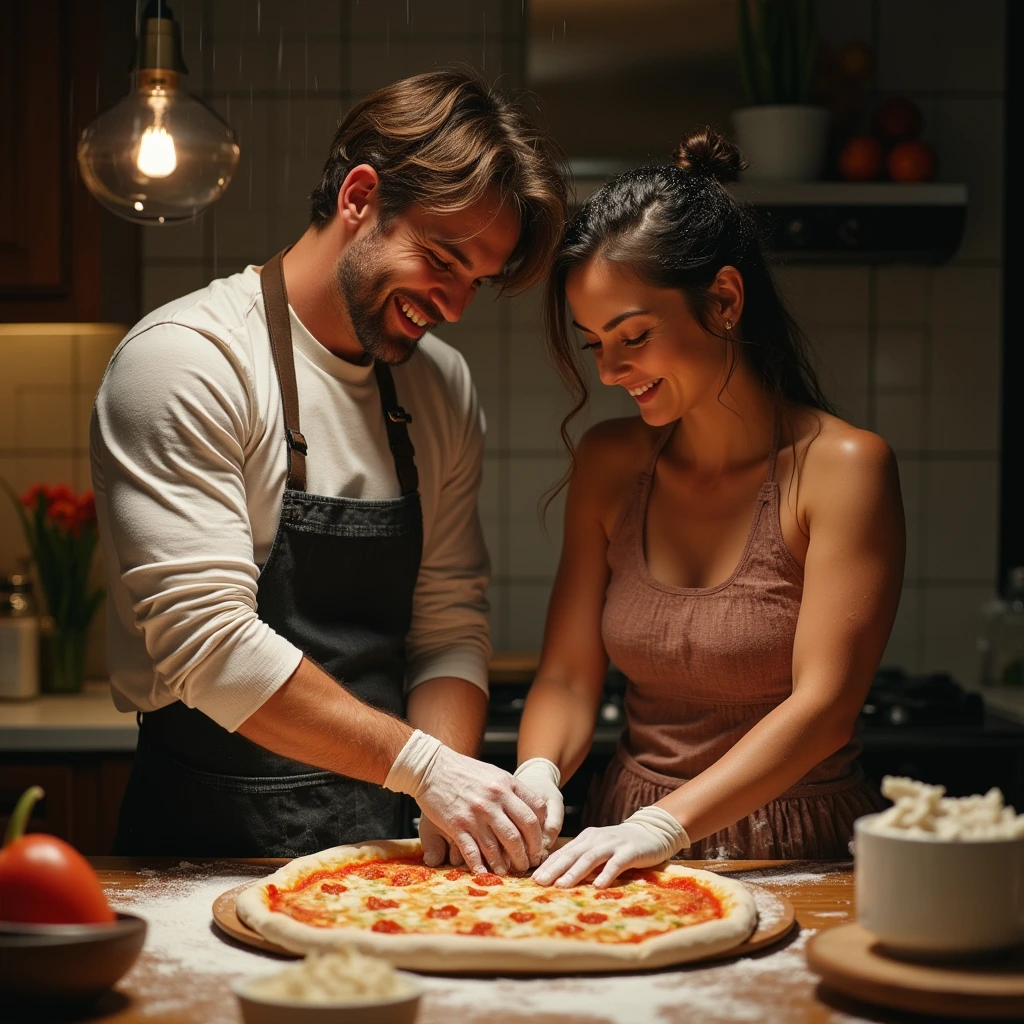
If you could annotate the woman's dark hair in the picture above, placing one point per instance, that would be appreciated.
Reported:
(676, 226)
(443, 140)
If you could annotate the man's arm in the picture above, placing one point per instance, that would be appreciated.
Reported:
(453, 710)
(314, 720)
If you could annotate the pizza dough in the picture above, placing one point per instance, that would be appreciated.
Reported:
(341, 897)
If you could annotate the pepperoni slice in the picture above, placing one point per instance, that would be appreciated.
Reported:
(592, 918)
(443, 912)
(376, 903)
(388, 927)
(635, 911)
(543, 898)
(482, 928)
(454, 875)
(568, 929)
(521, 916)
(477, 892)
(333, 888)
(609, 894)
(488, 879)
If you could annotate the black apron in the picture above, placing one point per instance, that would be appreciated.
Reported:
(338, 584)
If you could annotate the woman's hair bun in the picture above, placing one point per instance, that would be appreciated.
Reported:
(707, 153)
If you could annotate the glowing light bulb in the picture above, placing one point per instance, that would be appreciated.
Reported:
(156, 157)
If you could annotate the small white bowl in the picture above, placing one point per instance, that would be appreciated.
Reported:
(257, 1009)
(939, 899)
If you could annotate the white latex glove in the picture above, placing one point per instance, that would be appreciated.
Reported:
(543, 777)
(488, 814)
(437, 845)
(646, 838)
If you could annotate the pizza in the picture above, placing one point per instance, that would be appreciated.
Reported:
(381, 898)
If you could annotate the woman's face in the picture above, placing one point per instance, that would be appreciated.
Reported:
(646, 340)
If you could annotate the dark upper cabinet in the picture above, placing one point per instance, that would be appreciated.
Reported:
(62, 257)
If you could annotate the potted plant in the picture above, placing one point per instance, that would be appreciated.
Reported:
(782, 134)
(60, 530)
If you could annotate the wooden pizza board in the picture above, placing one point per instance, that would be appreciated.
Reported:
(850, 960)
(228, 921)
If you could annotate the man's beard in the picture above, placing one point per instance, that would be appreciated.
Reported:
(363, 282)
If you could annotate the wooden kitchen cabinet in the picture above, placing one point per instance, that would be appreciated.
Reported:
(62, 257)
(83, 795)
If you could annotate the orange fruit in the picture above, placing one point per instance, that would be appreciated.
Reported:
(857, 61)
(897, 119)
(912, 161)
(861, 158)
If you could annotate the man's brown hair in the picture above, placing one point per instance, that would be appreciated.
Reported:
(442, 140)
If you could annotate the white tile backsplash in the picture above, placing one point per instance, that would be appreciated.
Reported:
(951, 622)
(962, 501)
(965, 362)
(899, 357)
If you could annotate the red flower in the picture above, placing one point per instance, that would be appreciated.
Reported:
(31, 497)
(63, 512)
(86, 512)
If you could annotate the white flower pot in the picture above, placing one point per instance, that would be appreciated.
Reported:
(782, 143)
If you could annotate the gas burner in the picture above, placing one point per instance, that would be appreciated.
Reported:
(898, 700)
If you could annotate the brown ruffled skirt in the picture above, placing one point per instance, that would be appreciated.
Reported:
(813, 821)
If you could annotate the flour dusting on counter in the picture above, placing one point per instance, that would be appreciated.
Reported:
(181, 944)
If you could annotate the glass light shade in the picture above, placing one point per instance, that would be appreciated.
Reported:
(159, 156)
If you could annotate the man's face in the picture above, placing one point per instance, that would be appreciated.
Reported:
(422, 269)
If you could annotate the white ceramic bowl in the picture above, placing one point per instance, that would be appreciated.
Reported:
(257, 1009)
(939, 899)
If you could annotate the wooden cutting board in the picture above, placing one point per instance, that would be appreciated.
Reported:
(778, 923)
(849, 959)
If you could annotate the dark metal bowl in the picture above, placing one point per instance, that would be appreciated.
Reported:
(67, 962)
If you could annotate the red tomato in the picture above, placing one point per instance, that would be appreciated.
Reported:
(861, 159)
(43, 880)
(912, 161)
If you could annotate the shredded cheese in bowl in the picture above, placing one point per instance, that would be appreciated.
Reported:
(342, 976)
(925, 812)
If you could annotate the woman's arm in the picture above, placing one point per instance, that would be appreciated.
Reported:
(853, 574)
(561, 708)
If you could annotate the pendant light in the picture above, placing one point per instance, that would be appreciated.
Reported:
(159, 156)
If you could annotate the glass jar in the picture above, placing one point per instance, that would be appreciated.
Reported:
(1001, 636)
(19, 639)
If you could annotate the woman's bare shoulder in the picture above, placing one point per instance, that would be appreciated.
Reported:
(609, 458)
(618, 445)
(840, 460)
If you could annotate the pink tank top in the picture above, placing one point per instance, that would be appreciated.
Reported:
(705, 664)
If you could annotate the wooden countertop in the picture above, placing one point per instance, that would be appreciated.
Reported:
(184, 972)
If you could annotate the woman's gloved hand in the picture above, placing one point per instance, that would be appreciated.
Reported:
(487, 813)
(646, 838)
(543, 777)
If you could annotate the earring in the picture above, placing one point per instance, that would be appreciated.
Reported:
(728, 324)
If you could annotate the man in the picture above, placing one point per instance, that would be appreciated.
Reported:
(286, 468)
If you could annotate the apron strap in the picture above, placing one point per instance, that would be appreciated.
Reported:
(275, 302)
(396, 420)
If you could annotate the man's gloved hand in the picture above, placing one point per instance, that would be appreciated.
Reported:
(489, 815)
(644, 839)
(543, 777)
(437, 846)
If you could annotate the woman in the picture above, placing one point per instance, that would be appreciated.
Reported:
(736, 550)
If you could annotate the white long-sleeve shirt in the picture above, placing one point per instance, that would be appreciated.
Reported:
(189, 467)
